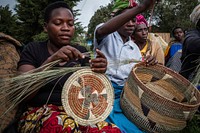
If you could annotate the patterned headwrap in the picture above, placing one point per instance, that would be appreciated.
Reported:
(123, 4)
(195, 15)
(141, 20)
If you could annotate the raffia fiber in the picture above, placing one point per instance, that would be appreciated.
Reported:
(14, 90)
(158, 99)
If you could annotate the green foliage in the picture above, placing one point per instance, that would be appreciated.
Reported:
(193, 126)
(100, 16)
(7, 21)
(79, 33)
(171, 13)
(30, 18)
(40, 37)
(166, 15)
(27, 24)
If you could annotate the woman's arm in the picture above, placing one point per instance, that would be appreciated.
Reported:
(113, 24)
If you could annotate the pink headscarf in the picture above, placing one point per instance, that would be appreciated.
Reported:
(141, 20)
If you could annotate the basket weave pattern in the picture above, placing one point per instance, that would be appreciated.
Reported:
(8, 67)
(158, 99)
(88, 97)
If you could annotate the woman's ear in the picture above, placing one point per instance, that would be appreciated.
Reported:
(45, 27)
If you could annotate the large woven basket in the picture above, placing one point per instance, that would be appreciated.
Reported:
(9, 57)
(88, 97)
(158, 99)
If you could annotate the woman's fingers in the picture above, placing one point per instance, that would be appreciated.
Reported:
(151, 60)
(72, 52)
(99, 64)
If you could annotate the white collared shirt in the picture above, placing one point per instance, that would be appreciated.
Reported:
(115, 51)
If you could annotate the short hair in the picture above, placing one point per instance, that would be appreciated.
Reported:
(48, 10)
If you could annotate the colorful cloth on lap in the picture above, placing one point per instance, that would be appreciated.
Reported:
(118, 118)
(53, 119)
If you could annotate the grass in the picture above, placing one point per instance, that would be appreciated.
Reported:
(193, 126)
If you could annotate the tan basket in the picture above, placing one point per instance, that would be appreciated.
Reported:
(158, 99)
(7, 118)
(88, 97)
(9, 57)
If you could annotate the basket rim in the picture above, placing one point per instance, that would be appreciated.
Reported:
(180, 77)
(110, 98)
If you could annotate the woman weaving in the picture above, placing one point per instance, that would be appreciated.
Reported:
(59, 25)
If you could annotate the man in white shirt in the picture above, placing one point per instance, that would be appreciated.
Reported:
(113, 39)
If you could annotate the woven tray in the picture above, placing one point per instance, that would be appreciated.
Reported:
(158, 99)
(88, 97)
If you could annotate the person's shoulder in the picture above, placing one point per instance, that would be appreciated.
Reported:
(153, 42)
(99, 25)
(192, 32)
(172, 41)
(156, 44)
(191, 36)
(35, 44)
(32, 46)
(133, 45)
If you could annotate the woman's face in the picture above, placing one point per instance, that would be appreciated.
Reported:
(141, 33)
(60, 27)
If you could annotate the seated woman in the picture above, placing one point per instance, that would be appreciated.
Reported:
(43, 117)
(148, 48)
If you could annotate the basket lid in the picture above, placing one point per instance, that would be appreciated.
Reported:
(88, 97)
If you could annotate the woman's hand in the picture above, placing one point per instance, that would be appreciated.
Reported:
(150, 60)
(65, 54)
(99, 64)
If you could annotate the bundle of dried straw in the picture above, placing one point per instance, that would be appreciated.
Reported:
(14, 90)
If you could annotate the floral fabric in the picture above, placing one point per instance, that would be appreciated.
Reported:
(53, 119)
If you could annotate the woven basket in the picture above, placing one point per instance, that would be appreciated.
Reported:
(158, 99)
(87, 97)
(9, 57)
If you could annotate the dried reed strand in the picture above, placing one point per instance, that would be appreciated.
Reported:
(14, 90)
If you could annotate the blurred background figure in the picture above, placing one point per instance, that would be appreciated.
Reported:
(175, 44)
(191, 47)
(174, 50)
